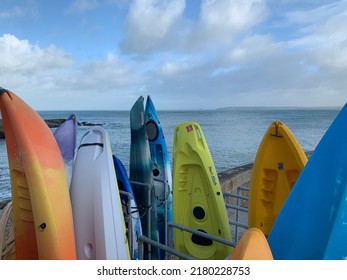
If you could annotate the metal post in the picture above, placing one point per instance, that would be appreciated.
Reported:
(202, 234)
(144, 239)
(149, 193)
(129, 219)
(166, 228)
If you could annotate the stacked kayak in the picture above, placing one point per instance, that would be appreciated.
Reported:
(7, 250)
(98, 219)
(278, 163)
(66, 137)
(197, 196)
(130, 209)
(252, 246)
(77, 201)
(312, 223)
(42, 215)
(141, 177)
(161, 171)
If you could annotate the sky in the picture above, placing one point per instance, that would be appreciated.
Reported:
(185, 54)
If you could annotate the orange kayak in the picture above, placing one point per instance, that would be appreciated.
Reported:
(42, 214)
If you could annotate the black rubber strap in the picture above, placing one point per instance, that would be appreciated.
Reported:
(91, 144)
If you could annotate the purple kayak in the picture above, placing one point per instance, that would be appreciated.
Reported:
(66, 137)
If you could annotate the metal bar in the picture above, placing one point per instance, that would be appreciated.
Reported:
(236, 196)
(243, 188)
(235, 223)
(166, 229)
(237, 215)
(236, 207)
(165, 216)
(144, 239)
(149, 190)
(129, 219)
(140, 184)
(202, 234)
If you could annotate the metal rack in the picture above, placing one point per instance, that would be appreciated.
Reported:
(168, 246)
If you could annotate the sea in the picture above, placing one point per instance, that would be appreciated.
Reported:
(232, 134)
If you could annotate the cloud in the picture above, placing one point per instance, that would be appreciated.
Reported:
(14, 12)
(154, 26)
(226, 55)
(82, 6)
(48, 77)
(27, 8)
(226, 18)
(20, 56)
(26, 67)
(150, 24)
(322, 31)
(104, 74)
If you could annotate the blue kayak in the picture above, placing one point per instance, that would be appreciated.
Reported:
(141, 177)
(312, 224)
(124, 185)
(161, 170)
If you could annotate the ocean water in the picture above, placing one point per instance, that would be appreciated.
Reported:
(233, 135)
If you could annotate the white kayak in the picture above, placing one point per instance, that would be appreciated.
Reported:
(97, 211)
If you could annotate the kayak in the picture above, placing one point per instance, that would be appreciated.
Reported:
(197, 196)
(42, 216)
(98, 218)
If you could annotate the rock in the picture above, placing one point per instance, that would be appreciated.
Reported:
(89, 124)
(4, 203)
(2, 133)
(52, 123)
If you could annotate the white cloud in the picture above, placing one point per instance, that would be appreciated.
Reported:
(81, 6)
(322, 34)
(225, 17)
(27, 8)
(222, 57)
(47, 77)
(14, 12)
(149, 24)
(20, 56)
(105, 74)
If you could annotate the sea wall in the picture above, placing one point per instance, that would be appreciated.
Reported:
(232, 178)
(239, 176)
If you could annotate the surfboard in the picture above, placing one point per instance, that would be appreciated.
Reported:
(42, 213)
(252, 246)
(6, 233)
(312, 223)
(98, 218)
(141, 177)
(66, 137)
(161, 170)
(278, 163)
(197, 196)
(133, 226)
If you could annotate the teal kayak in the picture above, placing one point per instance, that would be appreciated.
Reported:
(141, 177)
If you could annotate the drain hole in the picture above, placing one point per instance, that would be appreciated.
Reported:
(199, 212)
(199, 240)
(156, 172)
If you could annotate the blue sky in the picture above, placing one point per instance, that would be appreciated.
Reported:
(103, 54)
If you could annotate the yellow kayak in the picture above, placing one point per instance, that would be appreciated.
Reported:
(42, 214)
(197, 196)
(277, 165)
(252, 246)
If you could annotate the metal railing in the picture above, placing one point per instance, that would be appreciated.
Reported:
(167, 247)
